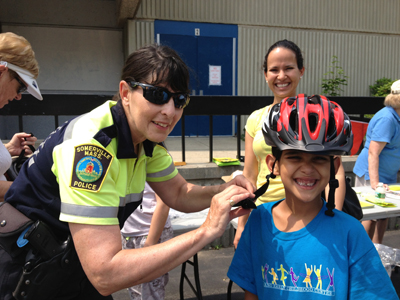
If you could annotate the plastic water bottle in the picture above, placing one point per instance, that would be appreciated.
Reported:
(380, 191)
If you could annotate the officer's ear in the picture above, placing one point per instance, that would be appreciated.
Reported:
(124, 92)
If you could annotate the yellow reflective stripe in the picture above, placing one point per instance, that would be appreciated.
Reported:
(130, 198)
(163, 173)
(98, 211)
(89, 211)
(70, 128)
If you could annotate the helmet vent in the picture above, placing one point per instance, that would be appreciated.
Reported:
(332, 130)
(294, 124)
(312, 121)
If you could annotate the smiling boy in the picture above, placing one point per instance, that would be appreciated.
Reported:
(325, 252)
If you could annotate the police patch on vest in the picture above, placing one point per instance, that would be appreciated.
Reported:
(91, 165)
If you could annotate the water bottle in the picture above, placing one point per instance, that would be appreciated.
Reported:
(380, 191)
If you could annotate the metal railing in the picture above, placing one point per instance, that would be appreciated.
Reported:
(61, 105)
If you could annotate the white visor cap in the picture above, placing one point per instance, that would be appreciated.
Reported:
(27, 77)
(395, 88)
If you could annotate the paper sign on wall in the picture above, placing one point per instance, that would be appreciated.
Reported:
(214, 75)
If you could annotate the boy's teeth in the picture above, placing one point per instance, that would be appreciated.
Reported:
(305, 183)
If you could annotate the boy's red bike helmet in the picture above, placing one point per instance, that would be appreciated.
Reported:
(311, 124)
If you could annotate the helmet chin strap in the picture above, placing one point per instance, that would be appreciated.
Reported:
(248, 203)
(264, 187)
(333, 185)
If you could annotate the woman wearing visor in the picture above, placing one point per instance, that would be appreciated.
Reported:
(18, 72)
(88, 176)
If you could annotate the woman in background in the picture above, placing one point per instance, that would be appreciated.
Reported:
(379, 160)
(283, 69)
(18, 72)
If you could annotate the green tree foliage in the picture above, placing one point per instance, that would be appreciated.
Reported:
(335, 78)
(381, 88)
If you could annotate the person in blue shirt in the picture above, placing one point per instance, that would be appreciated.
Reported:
(301, 247)
(379, 160)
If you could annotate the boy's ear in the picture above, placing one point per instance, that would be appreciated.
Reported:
(336, 163)
(270, 159)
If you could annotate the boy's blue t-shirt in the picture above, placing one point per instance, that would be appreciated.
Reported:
(331, 258)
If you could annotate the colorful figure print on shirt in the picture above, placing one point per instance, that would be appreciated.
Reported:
(293, 277)
(283, 277)
(307, 280)
(318, 273)
(331, 283)
(274, 276)
(323, 283)
(264, 270)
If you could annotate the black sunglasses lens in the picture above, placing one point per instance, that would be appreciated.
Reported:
(22, 87)
(158, 95)
(180, 100)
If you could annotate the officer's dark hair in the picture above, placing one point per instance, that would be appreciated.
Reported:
(288, 45)
(159, 63)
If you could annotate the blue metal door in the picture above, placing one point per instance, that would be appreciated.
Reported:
(215, 53)
(211, 58)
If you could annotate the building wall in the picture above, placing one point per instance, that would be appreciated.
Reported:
(365, 57)
(77, 44)
(363, 34)
(81, 49)
(379, 16)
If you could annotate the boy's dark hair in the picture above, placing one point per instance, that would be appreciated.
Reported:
(276, 153)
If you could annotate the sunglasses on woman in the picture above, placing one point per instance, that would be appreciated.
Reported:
(159, 95)
(22, 86)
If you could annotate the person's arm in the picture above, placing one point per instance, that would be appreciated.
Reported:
(110, 269)
(340, 192)
(250, 171)
(249, 296)
(4, 186)
(157, 224)
(180, 195)
(20, 141)
(375, 148)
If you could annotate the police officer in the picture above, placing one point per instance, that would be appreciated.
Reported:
(88, 176)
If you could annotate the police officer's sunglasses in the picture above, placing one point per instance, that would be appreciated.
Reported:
(159, 95)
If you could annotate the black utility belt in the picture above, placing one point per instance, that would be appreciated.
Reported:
(48, 262)
(13, 225)
(17, 230)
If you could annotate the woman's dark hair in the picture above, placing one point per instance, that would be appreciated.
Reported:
(159, 63)
(288, 45)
